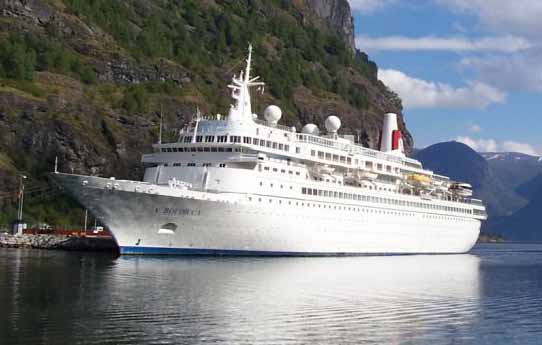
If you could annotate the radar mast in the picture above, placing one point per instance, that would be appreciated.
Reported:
(242, 109)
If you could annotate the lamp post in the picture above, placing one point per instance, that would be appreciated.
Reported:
(21, 203)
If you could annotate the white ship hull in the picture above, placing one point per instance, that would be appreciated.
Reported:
(208, 223)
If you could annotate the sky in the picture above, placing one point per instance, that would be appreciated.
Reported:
(466, 70)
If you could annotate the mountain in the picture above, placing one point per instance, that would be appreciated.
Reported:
(531, 189)
(524, 224)
(86, 81)
(514, 169)
(461, 163)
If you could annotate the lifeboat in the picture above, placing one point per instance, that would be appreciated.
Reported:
(461, 189)
(359, 176)
(367, 175)
(419, 180)
(321, 171)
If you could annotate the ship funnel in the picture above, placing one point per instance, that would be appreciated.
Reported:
(390, 138)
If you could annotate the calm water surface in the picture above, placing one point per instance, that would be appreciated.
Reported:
(492, 296)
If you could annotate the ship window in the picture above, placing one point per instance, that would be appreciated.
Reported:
(229, 149)
(187, 139)
(168, 149)
(191, 164)
(290, 172)
(206, 149)
(266, 168)
(275, 146)
(328, 156)
(222, 165)
(342, 160)
(303, 190)
(199, 138)
(210, 139)
(192, 149)
(262, 142)
(200, 149)
(297, 173)
(348, 160)
(283, 171)
(214, 149)
(379, 166)
(286, 147)
(247, 140)
(268, 144)
(369, 165)
(335, 158)
(313, 153)
(320, 155)
(281, 146)
(220, 149)
(206, 164)
(297, 150)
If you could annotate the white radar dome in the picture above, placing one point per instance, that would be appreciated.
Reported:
(333, 123)
(272, 114)
(310, 128)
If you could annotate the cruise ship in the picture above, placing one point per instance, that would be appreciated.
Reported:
(245, 185)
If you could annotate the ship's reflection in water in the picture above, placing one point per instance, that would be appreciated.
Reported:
(69, 298)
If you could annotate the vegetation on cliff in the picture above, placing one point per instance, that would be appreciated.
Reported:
(86, 80)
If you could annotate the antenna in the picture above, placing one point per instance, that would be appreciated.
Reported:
(249, 62)
(160, 132)
(56, 164)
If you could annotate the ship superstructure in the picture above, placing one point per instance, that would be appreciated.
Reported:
(241, 185)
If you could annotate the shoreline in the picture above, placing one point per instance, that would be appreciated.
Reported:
(59, 242)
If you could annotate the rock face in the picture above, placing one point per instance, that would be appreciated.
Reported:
(104, 71)
(337, 13)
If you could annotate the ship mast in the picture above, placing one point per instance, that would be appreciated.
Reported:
(242, 109)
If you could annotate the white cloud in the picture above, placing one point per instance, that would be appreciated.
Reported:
(480, 145)
(514, 146)
(474, 128)
(418, 93)
(491, 145)
(497, 44)
(518, 16)
(517, 72)
(368, 6)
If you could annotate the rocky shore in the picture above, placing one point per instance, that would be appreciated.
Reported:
(59, 242)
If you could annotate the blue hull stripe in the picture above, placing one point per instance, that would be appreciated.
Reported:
(233, 252)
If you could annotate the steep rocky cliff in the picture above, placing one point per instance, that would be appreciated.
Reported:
(338, 16)
(87, 80)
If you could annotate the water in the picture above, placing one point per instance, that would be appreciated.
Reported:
(492, 296)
